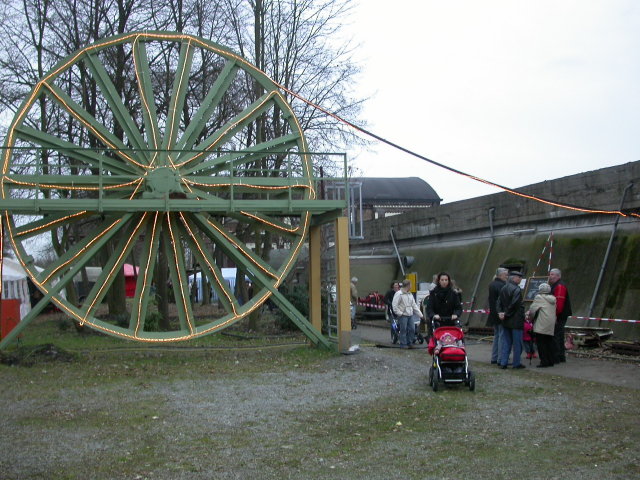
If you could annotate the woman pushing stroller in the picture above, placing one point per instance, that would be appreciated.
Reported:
(446, 339)
(443, 304)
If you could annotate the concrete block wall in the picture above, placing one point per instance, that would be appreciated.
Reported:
(599, 189)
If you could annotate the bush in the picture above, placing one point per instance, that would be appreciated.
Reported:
(299, 298)
(152, 322)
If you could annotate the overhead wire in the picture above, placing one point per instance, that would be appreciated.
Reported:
(447, 167)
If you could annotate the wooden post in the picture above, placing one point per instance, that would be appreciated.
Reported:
(343, 284)
(315, 278)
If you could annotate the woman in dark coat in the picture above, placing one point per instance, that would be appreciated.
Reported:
(443, 303)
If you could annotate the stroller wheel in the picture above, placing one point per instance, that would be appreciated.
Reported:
(430, 375)
(472, 381)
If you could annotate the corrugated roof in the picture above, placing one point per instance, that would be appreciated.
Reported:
(408, 190)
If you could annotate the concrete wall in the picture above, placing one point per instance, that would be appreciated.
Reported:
(457, 237)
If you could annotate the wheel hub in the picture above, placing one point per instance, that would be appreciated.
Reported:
(162, 181)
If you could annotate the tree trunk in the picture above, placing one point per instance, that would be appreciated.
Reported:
(162, 289)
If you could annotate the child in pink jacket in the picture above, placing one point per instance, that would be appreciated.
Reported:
(527, 339)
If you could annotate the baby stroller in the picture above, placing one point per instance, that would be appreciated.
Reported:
(449, 363)
(395, 330)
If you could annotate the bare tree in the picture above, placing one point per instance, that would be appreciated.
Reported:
(292, 41)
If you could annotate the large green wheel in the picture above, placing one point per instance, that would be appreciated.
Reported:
(145, 149)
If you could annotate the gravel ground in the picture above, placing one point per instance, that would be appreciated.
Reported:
(296, 413)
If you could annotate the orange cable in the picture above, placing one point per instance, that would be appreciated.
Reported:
(451, 169)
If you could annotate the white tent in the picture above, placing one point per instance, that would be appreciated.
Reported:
(229, 275)
(15, 285)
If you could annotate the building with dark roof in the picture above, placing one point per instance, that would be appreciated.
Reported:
(385, 197)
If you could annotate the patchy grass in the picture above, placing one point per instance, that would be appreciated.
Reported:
(239, 408)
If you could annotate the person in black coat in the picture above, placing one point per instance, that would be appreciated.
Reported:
(443, 304)
(499, 281)
(511, 314)
(388, 298)
(388, 301)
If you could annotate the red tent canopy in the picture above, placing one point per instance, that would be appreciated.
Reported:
(129, 270)
(130, 279)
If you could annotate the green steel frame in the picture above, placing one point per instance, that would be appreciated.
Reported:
(203, 188)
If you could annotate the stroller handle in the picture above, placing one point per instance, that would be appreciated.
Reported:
(444, 321)
(448, 320)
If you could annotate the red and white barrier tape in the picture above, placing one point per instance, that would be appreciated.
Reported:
(372, 305)
(619, 320)
(606, 319)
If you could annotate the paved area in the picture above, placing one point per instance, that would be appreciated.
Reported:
(624, 374)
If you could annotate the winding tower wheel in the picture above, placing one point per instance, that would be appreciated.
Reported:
(149, 149)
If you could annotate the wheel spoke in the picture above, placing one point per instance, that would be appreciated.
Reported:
(82, 155)
(272, 224)
(212, 271)
(113, 266)
(233, 247)
(208, 106)
(143, 76)
(46, 223)
(218, 138)
(120, 112)
(178, 95)
(179, 276)
(147, 266)
(108, 139)
(229, 161)
(79, 254)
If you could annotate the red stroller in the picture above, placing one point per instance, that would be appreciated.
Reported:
(449, 359)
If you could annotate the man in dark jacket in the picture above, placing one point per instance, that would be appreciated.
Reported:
(493, 321)
(511, 314)
(563, 312)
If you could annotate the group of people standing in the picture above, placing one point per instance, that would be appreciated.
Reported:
(548, 312)
(443, 306)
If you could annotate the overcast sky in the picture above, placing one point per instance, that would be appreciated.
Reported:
(514, 91)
